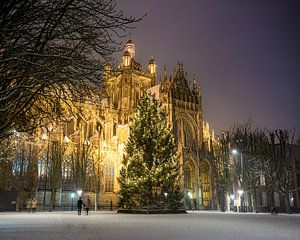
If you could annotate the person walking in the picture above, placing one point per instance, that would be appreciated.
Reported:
(80, 204)
(87, 206)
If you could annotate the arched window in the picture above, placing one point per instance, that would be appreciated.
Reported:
(109, 179)
(187, 176)
(188, 134)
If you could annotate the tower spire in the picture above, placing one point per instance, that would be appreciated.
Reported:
(130, 47)
(194, 83)
(165, 73)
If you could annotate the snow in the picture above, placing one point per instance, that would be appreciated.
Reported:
(110, 225)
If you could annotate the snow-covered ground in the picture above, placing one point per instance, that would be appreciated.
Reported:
(109, 225)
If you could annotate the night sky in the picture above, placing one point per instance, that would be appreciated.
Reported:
(245, 55)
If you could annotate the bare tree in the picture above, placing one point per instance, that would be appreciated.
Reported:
(50, 54)
(267, 154)
(97, 155)
(80, 164)
(249, 168)
(24, 167)
(279, 164)
(7, 148)
(55, 170)
(222, 169)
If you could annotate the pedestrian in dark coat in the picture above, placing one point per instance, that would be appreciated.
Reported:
(80, 204)
(87, 205)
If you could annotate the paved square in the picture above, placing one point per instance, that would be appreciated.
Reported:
(109, 225)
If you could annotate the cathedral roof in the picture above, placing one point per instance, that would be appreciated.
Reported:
(181, 86)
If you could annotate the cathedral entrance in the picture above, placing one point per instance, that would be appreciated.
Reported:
(205, 185)
(190, 186)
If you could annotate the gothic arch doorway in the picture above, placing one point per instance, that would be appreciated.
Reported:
(190, 185)
(205, 185)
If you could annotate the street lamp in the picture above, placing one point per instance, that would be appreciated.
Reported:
(79, 192)
(72, 197)
(240, 191)
(234, 151)
(166, 195)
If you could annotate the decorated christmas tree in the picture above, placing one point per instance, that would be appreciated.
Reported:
(149, 177)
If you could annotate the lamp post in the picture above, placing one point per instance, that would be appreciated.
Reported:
(166, 197)
(240, 191)
(72, 197)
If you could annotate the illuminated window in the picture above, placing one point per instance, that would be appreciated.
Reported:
(67, 169)
(187, 177)
(109, 179)
(188, 135)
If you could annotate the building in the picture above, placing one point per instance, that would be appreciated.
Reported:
(267, 198)
(85, 152)
(182, 101)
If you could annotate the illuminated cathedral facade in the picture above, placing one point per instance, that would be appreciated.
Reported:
(82, 156)
(182, 102)
(95, 138)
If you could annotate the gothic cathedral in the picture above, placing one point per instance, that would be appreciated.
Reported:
(182, 101)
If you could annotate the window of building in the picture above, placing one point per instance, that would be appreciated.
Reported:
(67, 168)
(263, 199)
(187, 177)
(109, 179)
(188, 135)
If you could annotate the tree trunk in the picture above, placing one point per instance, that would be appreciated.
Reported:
(52, 201)
(223, 202)
(254, 201)
(18, 203)
(44, 198)
(96, 198)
